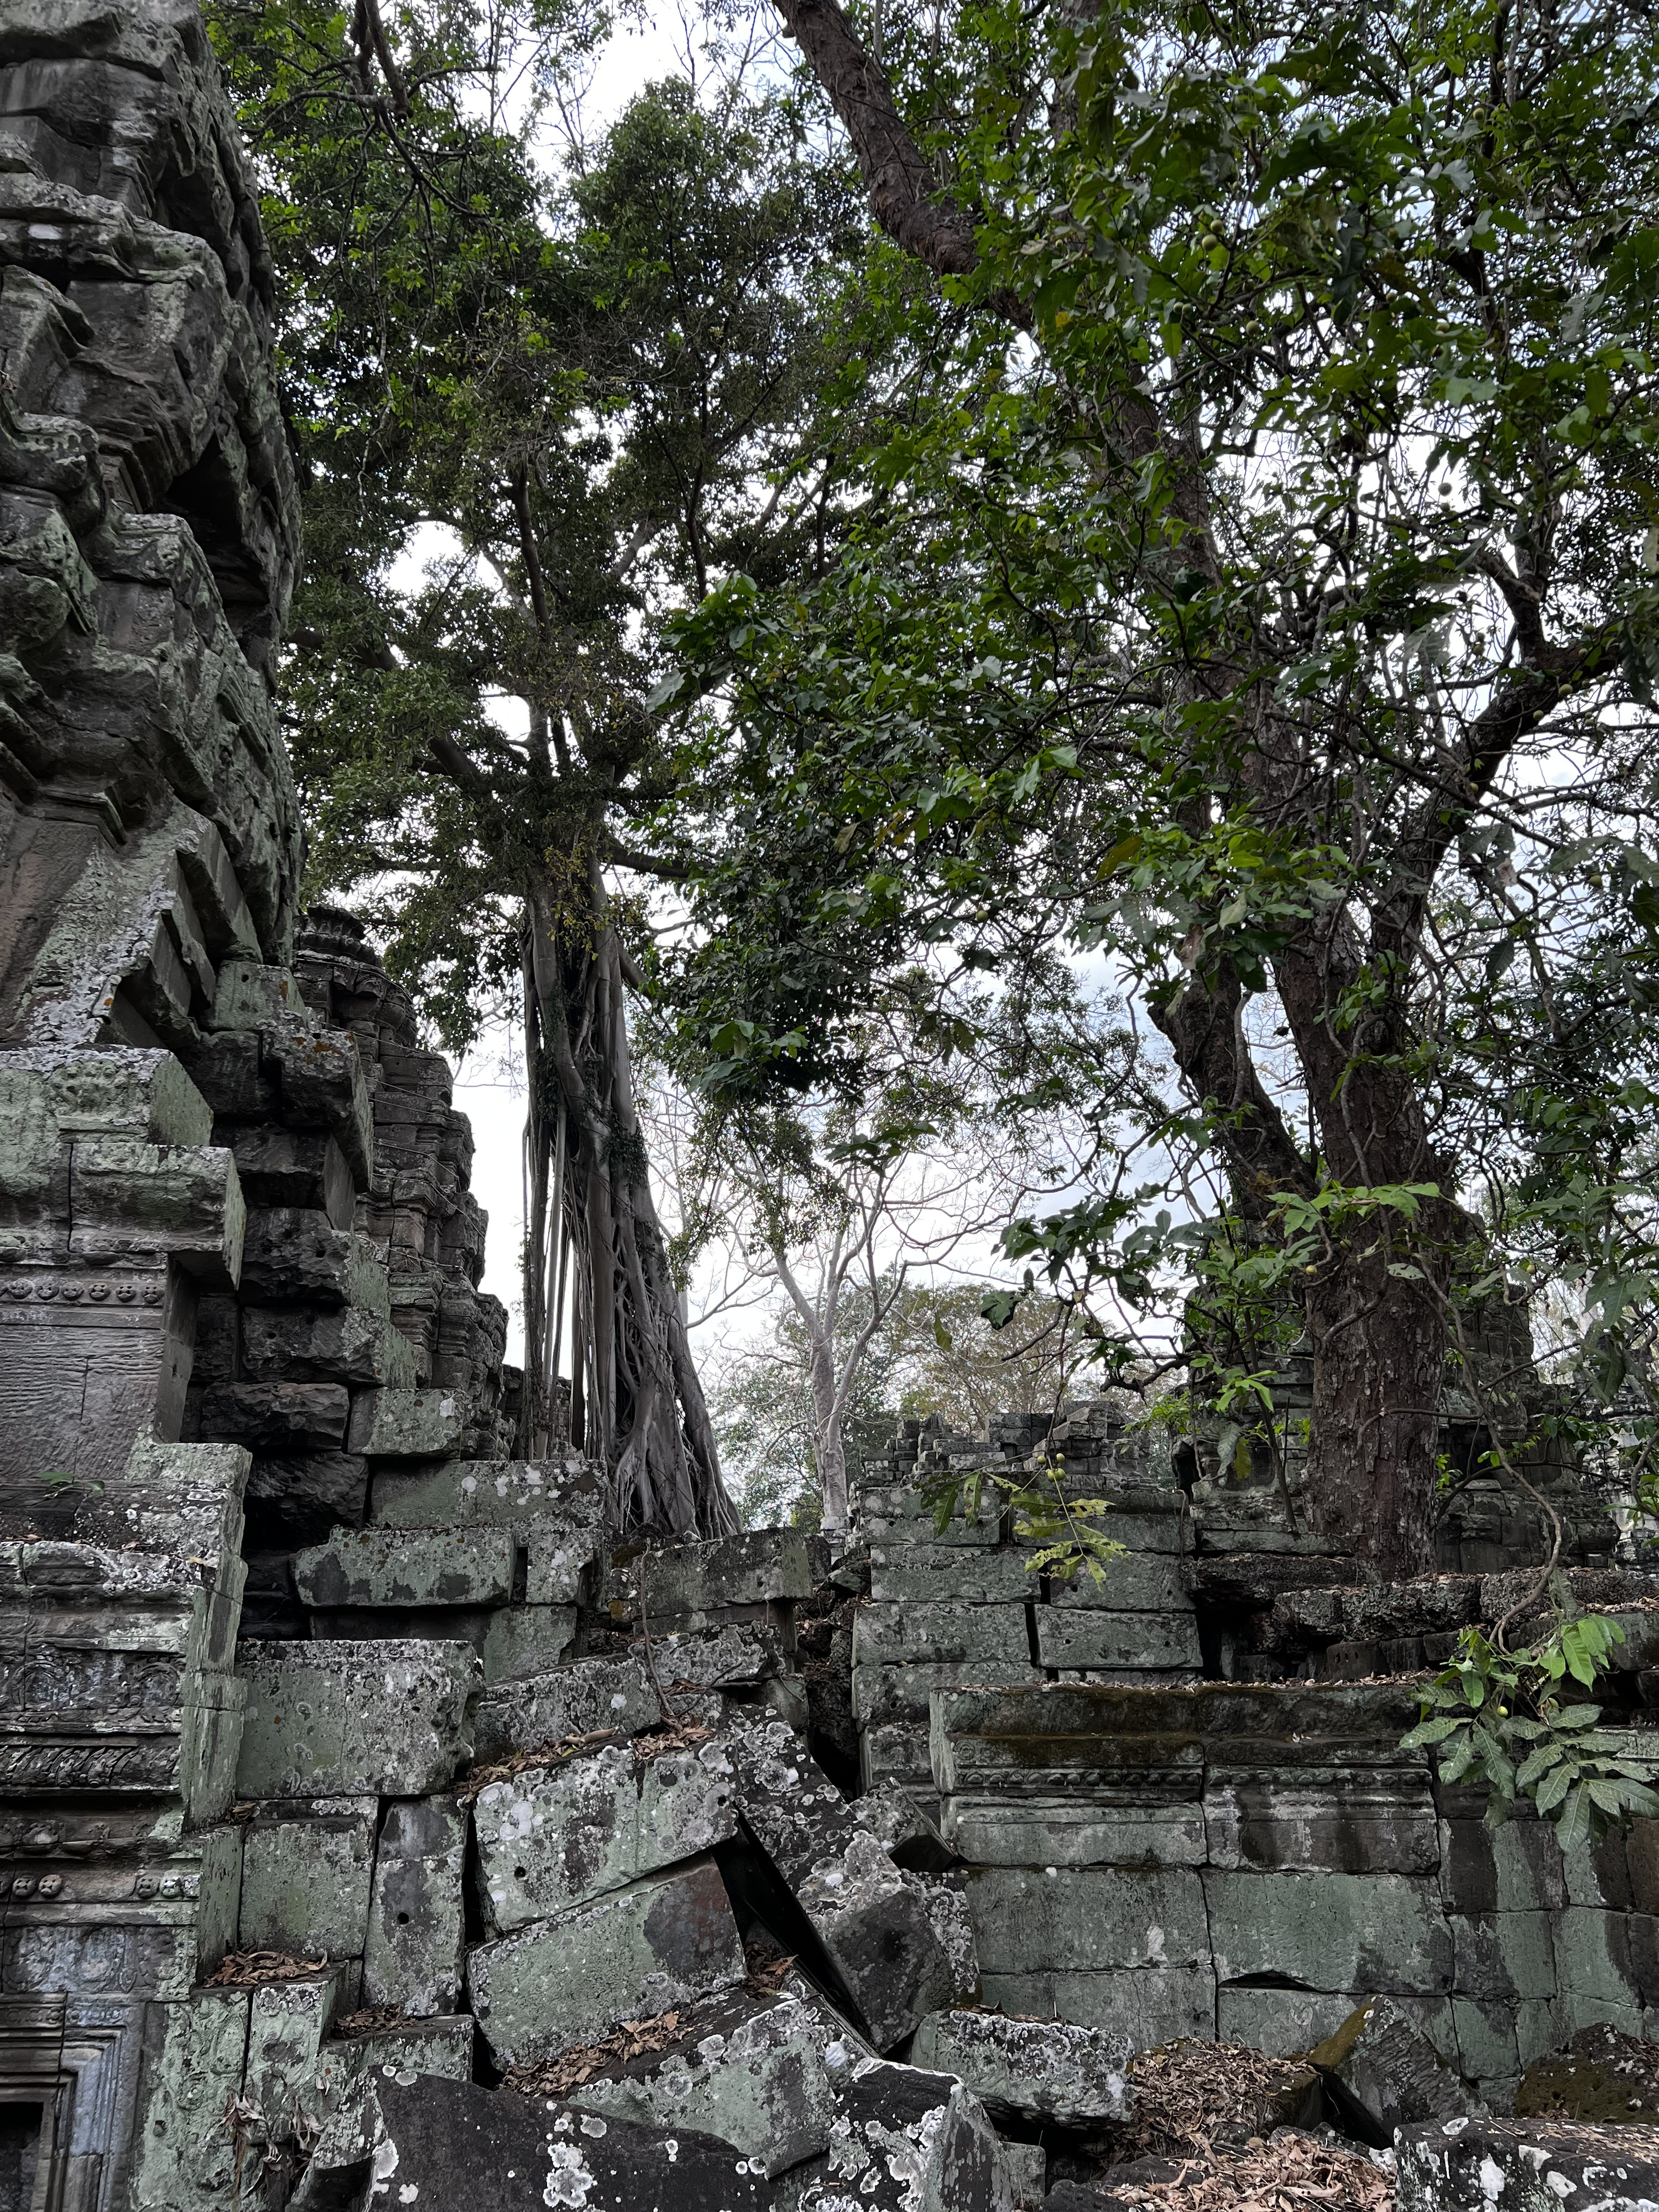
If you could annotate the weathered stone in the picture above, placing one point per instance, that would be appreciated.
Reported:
(341, 1343)
(410, 1425)
(551, 1838)
(733, 1655)
(305, 1873)
(525, 1642)
(350, 1718)
(1354, 1821)
(1041, 2069)
(1381, 2058)
(184, 2160)
(439, 2142)
(278, 1416)
(289, 2024)
(909, 1631)
(1110, 1827)
(496, 1492)
(907, 1574)
(1140, 1581)
(1527, 2166)
(574, 1700)
(904, 2140)
(750, 2070)
(902, 1691)
(1072, 1920)
(442, 2044)
(1331, 1931)
(730, 1571)
(904, 1830)
(876, 1929)
(405, 1566)
(415, 1934)
(1089, 1638)
(1149, 2004)
(666, 1940)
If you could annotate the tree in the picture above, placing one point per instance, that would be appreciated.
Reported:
(567, 391)
(1260, 591)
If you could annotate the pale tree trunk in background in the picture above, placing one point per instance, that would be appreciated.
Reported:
(832, 1378)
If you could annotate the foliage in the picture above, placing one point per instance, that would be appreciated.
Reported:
(1258, 587)
(1066, 1531)
(1500, 1717)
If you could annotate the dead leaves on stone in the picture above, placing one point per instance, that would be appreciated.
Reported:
(633, 2038)
(1287, 2174)
(1188, 2094)
(246, 1970)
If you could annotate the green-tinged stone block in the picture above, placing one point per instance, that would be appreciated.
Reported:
(523, 1641)
(569, 1700)
(901, 1692)
(407, 1566)
(1149, 2005)
(1076, 1831)
(761, 1565)
(288, 2023)
(412, 1957)
(949, 1574)
(1076, 1919)
(932, 1633)
(551, 1838)
(507, 1493)
(388, 1717)
(412, 1424)
(1593, 1961)
(306, 1874)
(639, 1952)
(1089, 1638)
(1140, 1581)
(184, 2158)
(1379, 1934)
(1504, 1954)
(441, 2045)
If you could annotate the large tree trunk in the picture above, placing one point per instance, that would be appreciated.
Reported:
(637, 1403)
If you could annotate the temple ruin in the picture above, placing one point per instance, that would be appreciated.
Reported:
(375, 1821)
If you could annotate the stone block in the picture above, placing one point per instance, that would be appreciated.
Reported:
(278, 1416)
(503, 1493)
(961, 1574)
(1149, 2005)
(409, 1425)
(441, 2045)
(896, 1751)
(1488, 2047)
(184, 1199)
(295, 1255)
(1527, 2166)
(1141, 1581)
(1380, 2057)
(1504, 1954)
(901, 1691)
(350, 1719)
(907, 2141)
(748, 2069)
(573, 1700)
(667, 1941)
(734, 1655)
(551, 1838)
(561, 1560)
(407, 1566)
(750, 1568)
(437, 2143)
(1593, 1959)
(414, 1939)
(183, 2158)
(1379, 1934)
(954, 1632)
(1353, 1821)
(1100, 1830)
(522, 1642)
(1282, 2022)
(1028, 1919)
(288, 2023)
(899, 1515)
(341, 1343)
(297, 1167)
(1032, 2069)
(1088, 1638)
(305, 1873)
(876, 1929)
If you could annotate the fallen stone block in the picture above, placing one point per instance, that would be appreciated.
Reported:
(1041, 2069)
(731, 1655)
(551, 1838)
(416, 1935)
(904, 1830)
(904, 2140)
(945, 1900)
(442, 2044)
(288, 2023)
(1525, 2165)
(1603, 2075)
(573, 1700)
(666, 1940)
(875, 1928)
(347, 1719)
(440, 2143)
(402, 1566)
(1381, 2060)
(761, 1564)
(306, 1867)
(750, 2070)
